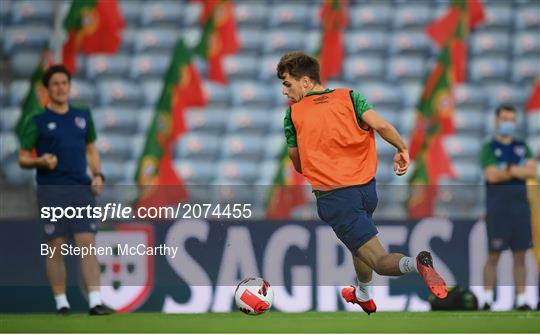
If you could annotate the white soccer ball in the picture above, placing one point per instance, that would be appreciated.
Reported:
(254, 296)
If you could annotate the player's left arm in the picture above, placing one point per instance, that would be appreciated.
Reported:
(92, 157)
(528, 169)
(390, 135)
(295, 158)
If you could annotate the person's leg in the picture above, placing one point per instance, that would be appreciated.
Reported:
(520, 275)
(490, 277)
(375, 257)
(364, 275)
(56, 272)
(89, 268)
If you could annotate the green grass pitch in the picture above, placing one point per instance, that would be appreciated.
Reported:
(314, 322)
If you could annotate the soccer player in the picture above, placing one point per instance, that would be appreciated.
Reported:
(63, 137)
(330, 136)
(507, 163)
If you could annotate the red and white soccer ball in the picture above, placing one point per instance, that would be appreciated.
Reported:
(254, 296)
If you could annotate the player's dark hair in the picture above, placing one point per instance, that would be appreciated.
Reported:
(297, 64)
(51, 71)
(504, 107)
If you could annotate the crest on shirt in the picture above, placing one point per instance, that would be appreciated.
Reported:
(498, 152)
(519, 150)
(51, 125)
(80, 122)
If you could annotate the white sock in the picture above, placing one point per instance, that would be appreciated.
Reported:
(363, 291)
(488, 297)
(61, 301)
(407, 265)
(94, 299)
(521, 299)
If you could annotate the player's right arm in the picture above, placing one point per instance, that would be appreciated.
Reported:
(28, 140)
(290, 136)
(492, 174)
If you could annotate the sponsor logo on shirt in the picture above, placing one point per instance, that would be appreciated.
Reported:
(80, 122)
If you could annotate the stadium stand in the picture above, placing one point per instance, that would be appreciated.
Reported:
(237, 138)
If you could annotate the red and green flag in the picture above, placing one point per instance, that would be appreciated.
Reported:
(334, 19)
(93, 26)
(37, 96)
(287, 192)
(533, 103)
(155, 173)
(453, 29)
(219, 36)
(433, 122)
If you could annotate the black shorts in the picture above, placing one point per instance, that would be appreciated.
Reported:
(509, 226)
(63, 197)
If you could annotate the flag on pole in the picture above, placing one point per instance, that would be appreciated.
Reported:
(93, 26)
(334, 20)
(219, 36)
(533, 103)
(155, 173)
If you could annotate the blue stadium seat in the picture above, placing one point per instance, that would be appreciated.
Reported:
(364, 42)
(197, 146)
(267, 172)
(409, 42)
(498, 15)
(276, 120)
(241, 67)
(534, 144)
(525, 69)
(288, 15)
(17, 91)
(526, 43)
(149, 66)
(247, 121)
(528, 17)
(161, 13)
(9, 147)
(156, 39)
(411, 94)
(267, 68)
(115, 120)
(463, 146)
(152, 91)
(209, 121)
(467, 171)
(29, 38)
(231, 191)
(312, 41)
(368, 15)
(5, 10)
(411, 15)
(16, 175)
(486, 43)
(533, 123)
(273, 147)
(145, 117)
(406, 68)
(131, 11)
(119, 93)
(137, 146)
(192, 12)
(245, 171)
(9, 118)
(250, 40)
(251, 94)
(506, 94)
(470, 96)
(251, 14)
(101, 66)
(128, 40)
(219, 96)
(114, 147)
(488, 69)
(83, 92)
(32, 11)
(24, 62)
(382, 96)
(469, 121)
(358, 68)
(114, 169)
(3, 94)
(282, 40)
(246, 147)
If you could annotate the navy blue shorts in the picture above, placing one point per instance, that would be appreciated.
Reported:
(348, 211)
(64, 197)
(509, 226)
